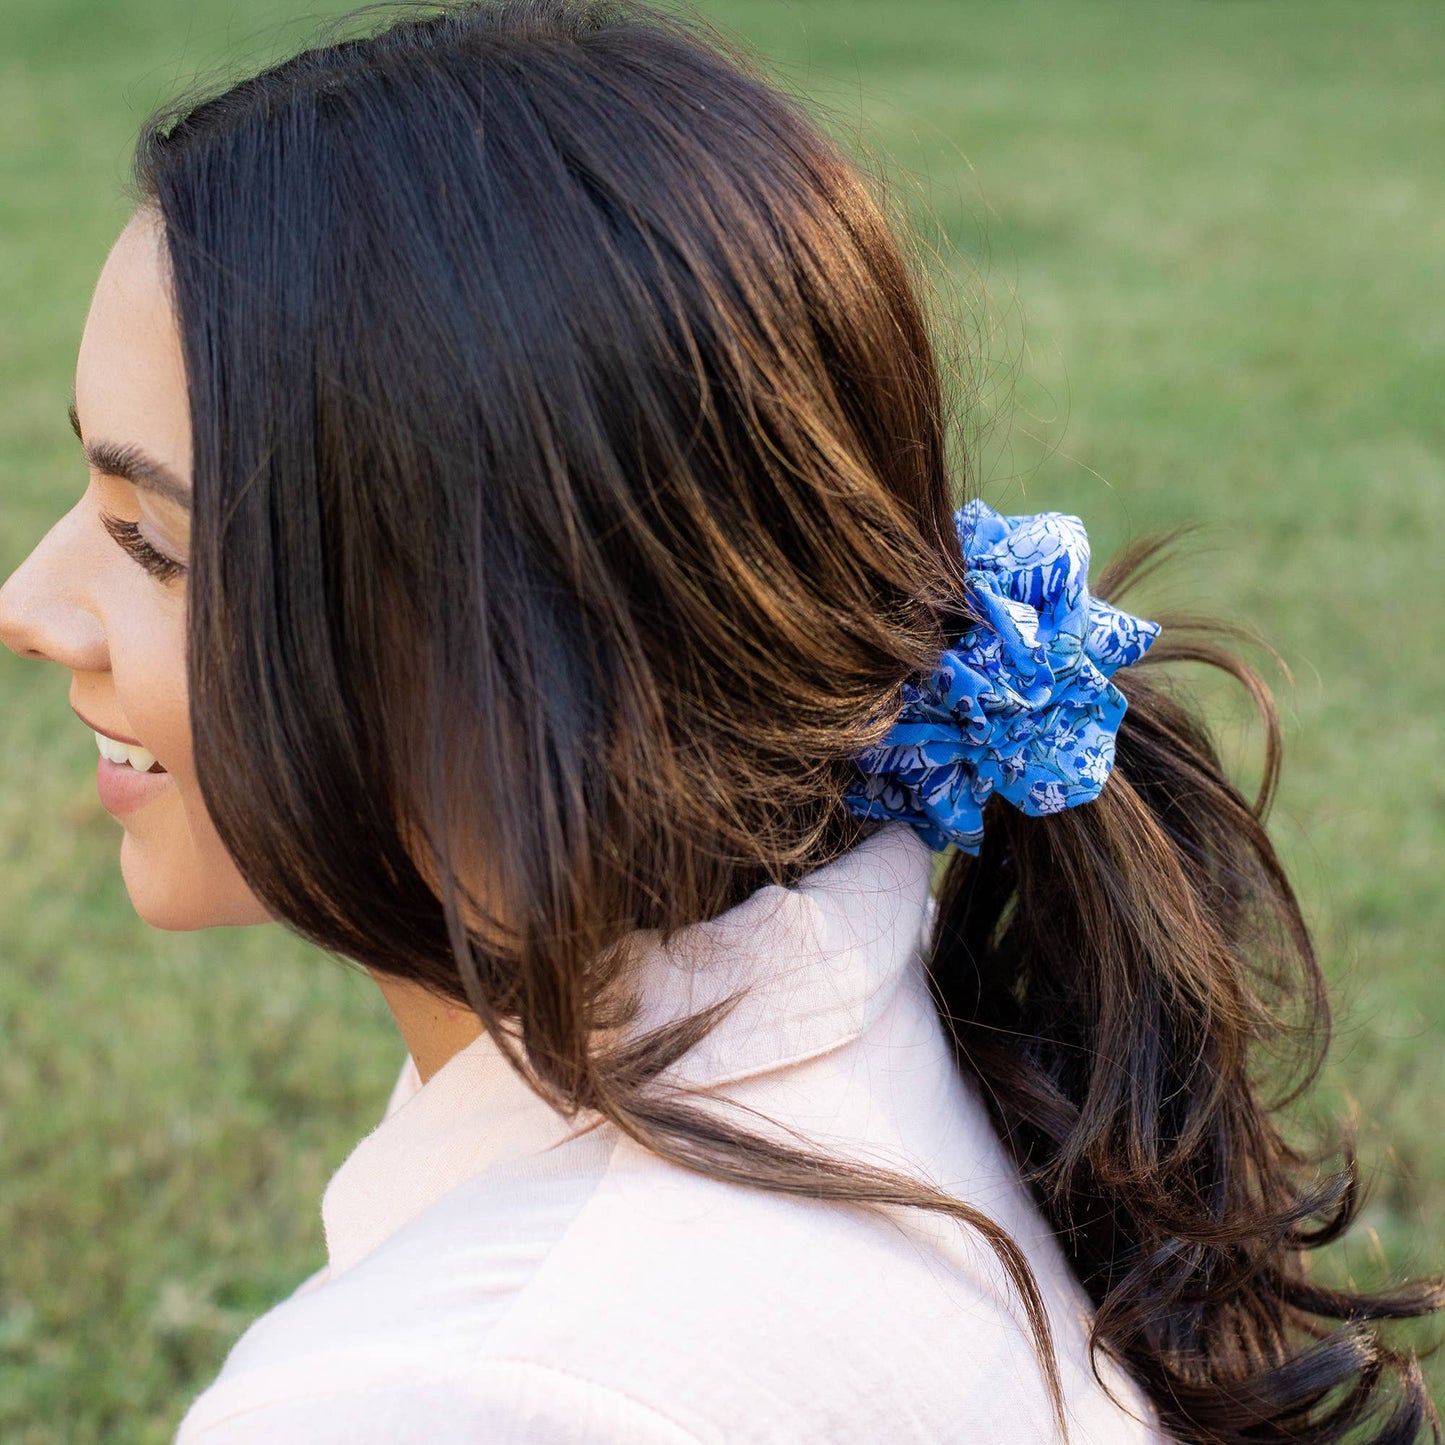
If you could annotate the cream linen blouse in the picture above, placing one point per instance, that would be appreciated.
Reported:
(500, 1276)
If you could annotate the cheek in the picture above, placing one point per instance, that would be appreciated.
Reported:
(176, 869)
(149, 666)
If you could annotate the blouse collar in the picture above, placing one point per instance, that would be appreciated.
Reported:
(820, 959)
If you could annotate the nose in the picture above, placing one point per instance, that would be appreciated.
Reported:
(46, 610)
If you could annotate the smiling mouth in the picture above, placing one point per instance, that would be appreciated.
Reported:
(126, 755)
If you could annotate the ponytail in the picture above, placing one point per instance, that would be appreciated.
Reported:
(1117, 975)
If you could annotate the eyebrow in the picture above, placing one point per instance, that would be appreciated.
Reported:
(132, 465)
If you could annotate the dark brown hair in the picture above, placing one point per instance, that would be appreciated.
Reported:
(572, 501)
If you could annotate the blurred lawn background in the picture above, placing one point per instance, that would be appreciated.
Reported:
(1203, 247)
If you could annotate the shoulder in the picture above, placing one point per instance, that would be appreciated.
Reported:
(598, 1293)
(747, 1315)
(629, 1300)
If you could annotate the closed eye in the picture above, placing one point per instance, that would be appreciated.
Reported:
(127, 535)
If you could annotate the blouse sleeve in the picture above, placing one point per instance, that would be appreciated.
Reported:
(504, 1402)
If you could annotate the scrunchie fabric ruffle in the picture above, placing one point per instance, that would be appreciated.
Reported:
(1021, 705)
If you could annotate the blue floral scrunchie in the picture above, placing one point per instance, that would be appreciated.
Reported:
(1021, 704)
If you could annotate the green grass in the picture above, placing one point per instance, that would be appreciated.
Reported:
(1204, 247)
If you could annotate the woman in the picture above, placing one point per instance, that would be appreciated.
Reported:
(520, 554)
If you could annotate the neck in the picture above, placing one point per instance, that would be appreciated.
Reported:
(434, 1029)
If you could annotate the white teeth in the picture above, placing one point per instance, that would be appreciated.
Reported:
(138, 758)
(110, 750)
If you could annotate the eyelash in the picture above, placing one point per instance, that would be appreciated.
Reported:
(127, 534)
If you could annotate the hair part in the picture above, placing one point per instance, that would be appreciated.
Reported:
(570, 468)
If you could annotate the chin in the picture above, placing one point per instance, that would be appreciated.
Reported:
(179, 895)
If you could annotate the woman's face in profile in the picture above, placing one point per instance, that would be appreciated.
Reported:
(104, 594)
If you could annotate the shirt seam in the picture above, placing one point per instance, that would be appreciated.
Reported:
(516, 1362)
(500, 1323)
(470, 1384)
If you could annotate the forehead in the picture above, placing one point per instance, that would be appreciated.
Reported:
(130, 385)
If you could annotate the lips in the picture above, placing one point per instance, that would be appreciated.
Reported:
(122, 789)
(127, 775)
